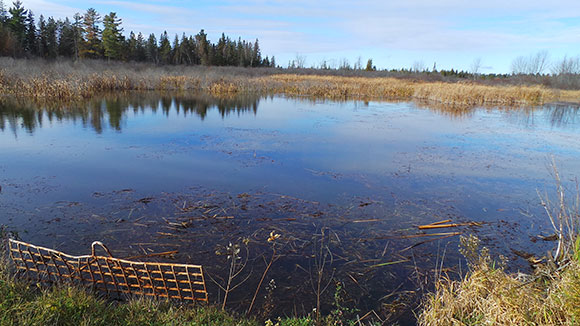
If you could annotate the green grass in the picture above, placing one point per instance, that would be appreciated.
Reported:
(22, 303)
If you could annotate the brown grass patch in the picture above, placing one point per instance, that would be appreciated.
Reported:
(75, 80)
(488, 295)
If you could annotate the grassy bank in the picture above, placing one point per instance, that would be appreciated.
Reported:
(74, 80)
(23, 303)
(488, 295)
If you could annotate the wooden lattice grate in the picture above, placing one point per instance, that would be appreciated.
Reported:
(114, 276)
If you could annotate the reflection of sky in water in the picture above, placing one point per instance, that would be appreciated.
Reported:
(287, 144)
(322, 151)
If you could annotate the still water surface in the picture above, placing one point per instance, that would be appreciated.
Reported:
(155, 172)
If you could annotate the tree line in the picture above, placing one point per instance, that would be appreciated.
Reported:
(90, 36)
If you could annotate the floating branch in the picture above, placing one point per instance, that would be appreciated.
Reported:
(453, 225)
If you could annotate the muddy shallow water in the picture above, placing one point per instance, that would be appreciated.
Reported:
(149, 173)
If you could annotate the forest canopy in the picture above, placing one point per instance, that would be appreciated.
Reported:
(90, 35)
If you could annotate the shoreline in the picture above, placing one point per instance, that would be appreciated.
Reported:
(66, 81)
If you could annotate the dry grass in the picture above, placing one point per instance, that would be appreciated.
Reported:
(75, 80)
(488, 295)
(457, 94)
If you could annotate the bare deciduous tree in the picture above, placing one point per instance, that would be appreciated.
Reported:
(475, 66)
(344, 64)
(531, 65)
(418, 66)
(567, 66)
(298, 62)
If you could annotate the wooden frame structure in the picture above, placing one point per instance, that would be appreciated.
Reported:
(113, 276)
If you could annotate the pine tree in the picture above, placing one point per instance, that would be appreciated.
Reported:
(370, 66)
(17, 24)
(220, 55)
(140, 52)
(91, 47)
(256, 55)
(83, 38)
(176, 51)
(51, 31)
(31, 42)
(152, 51)
(164, 48)
(66, 39)
(112, 37)
(41, 43)
(203, 48)
(185, 50)
(132, 47)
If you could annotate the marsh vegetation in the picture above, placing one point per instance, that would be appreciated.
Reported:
(66, 81)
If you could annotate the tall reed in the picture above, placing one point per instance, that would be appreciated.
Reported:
(70, 80)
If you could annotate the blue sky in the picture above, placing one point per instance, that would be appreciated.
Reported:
(395, 34)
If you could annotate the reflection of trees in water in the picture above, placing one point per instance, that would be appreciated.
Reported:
(111, 109)
(558, 115)
(553, 115)
(563, 115)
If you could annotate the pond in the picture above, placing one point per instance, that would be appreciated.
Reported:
(345, 184)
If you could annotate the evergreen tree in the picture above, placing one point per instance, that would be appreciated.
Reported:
(17, 24)
(370, 66)
(132, 47)
(192, 50)
(140, 51)
(232, 54)
(164, 49)
(220, 54)
(256, 55)
(66, 39)
(91, 47)
(152, 51)
(175, 51)
(203, 48)
(42, 42)
(185, 50)
(83, 37)
(240, 52)
(112, 37)
(77, 27)
(31, 42)
(51, 31)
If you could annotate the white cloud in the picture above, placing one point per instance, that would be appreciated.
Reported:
(48, 8)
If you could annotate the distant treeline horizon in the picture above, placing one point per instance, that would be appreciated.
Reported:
(90, 36)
